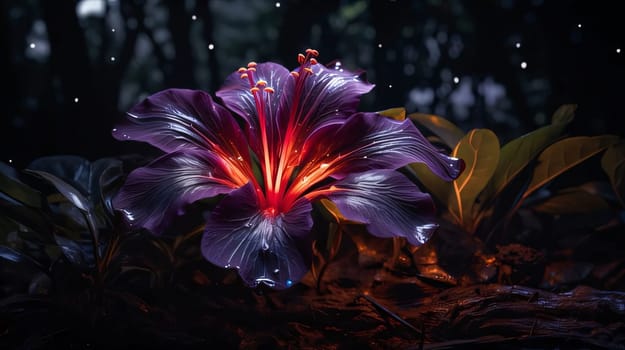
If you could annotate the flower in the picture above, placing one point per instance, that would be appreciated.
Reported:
(279, 141)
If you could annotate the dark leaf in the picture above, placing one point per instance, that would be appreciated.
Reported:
(613, 163)
(441, 127)
(15, 189)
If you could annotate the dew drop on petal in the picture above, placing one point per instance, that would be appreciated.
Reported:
(276, 271)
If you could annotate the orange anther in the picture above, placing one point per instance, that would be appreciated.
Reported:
(242, 70)
(251, 64)
(313, 61)
(269, 90)
(261, 83)
(244, 75)
(301, 58)
(307, 69)
(295, 74)
(254, 90)
(251, 69)
(312, 52)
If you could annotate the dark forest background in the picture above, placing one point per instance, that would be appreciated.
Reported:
(71, 68)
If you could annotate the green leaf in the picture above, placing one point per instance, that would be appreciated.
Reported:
(613, 163)
(434, 185)
(398, 113)
(480, 151)
(517, 154)
(67, 190)
(564, 155)
(17, 190)
(564, 114)
(572, 201)
(441, 127)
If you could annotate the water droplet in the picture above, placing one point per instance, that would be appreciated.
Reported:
(194, 17)
(32, 45)
(277, 4)
(364, 157)
(76, 101)
(126, 136)
(114, 129)
(227, 266)
(265, 245)
(456, 80)
(248, 224)
(240, 159)
(112, 58)
(276, 271)
(523, 65)
(211, 46)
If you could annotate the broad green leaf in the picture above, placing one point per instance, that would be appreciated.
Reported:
(441, 127)
(433, 184)
(17, 190)
(572, 201)
(613, 163)
(480, 151)
(67, 190)
(564, 114)
(517, 154)
(564, 155)
(398, 113)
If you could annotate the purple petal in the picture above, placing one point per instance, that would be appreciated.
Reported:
(328, 95)
(184, 119)
(237, 96)
(153, 195)
(263, 249)
(370, 141)
(388, 203)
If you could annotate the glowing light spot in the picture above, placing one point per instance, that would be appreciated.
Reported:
(289, 283)
(324, 165)
(579, 25)
(277, 4)
(112, 58)
(517, 45)
(523, 65)
(32, 45)
(390, 86)
(211, 46)
(194, 17)
(456, 80)
(76, 101)
(10, 161)
(113, 30)
(380, 45)
(618, 50)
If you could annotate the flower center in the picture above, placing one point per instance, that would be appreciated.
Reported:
(276, 161)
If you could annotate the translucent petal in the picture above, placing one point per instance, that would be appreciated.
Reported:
(153, 195)
(265, 250)
(369, 141)
(177, 119)
(389, 203)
